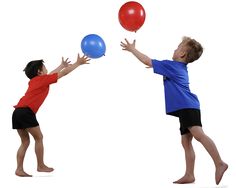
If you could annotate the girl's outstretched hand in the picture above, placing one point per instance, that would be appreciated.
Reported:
(82, 60)
(65, 63)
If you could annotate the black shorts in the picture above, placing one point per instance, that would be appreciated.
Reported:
(23, 118)
(188, 117)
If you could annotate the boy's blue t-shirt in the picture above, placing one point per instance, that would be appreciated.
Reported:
(176, 83)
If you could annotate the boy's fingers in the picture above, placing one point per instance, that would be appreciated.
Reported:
(122, 44)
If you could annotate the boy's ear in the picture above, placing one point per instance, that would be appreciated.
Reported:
(183, 54)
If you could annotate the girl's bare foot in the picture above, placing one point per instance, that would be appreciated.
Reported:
(22, 173)
(44, 168)
(220, 170)
(185, 179)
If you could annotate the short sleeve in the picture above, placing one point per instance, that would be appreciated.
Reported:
(50, 79)
(44, 80)
(164, 68)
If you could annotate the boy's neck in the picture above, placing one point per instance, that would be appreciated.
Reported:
(181, 60)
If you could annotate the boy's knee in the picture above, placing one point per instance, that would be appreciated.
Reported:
(199, 137)
(197, 133)
(186, 143)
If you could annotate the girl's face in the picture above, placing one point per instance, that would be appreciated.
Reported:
(43, 71)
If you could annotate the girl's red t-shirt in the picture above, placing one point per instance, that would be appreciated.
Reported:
(37, 91)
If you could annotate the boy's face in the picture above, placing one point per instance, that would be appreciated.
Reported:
(180, 52)
(43, 71)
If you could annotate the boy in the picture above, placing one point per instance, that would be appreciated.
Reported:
(24, 115)
(180, 102)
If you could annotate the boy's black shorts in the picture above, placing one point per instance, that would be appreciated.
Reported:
(23, 118)
(188, 117)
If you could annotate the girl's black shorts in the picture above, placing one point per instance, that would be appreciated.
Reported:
(23, 118)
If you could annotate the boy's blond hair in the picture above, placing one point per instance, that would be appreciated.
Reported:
(194, 49)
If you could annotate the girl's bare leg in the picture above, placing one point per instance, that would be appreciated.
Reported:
(188, 177)
(25, 141)
(39, 149)
(210, 146)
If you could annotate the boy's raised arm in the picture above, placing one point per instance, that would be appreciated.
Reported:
(139, 55)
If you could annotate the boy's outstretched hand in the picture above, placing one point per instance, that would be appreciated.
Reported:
(128, 46)
(139, 55)
(82, 60)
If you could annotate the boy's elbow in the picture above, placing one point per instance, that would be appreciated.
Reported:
(148, 62)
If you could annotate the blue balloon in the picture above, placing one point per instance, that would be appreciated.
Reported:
(93, 46)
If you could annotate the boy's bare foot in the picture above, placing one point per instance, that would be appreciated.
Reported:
(44, 169)
(185, 179)
(22, 173)
(220, 170)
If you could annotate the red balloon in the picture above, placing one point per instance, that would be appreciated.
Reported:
(132, 16)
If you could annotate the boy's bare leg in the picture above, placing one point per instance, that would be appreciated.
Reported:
(188, 177)
(39, 149)
(25, 141)
(210, 146)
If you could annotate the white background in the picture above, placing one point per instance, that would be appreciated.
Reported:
(104, 125)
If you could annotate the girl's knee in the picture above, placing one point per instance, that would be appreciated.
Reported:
(25, 142)
(36, 133)
(38, 137)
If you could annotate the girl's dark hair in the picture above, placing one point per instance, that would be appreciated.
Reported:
(32, 68)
